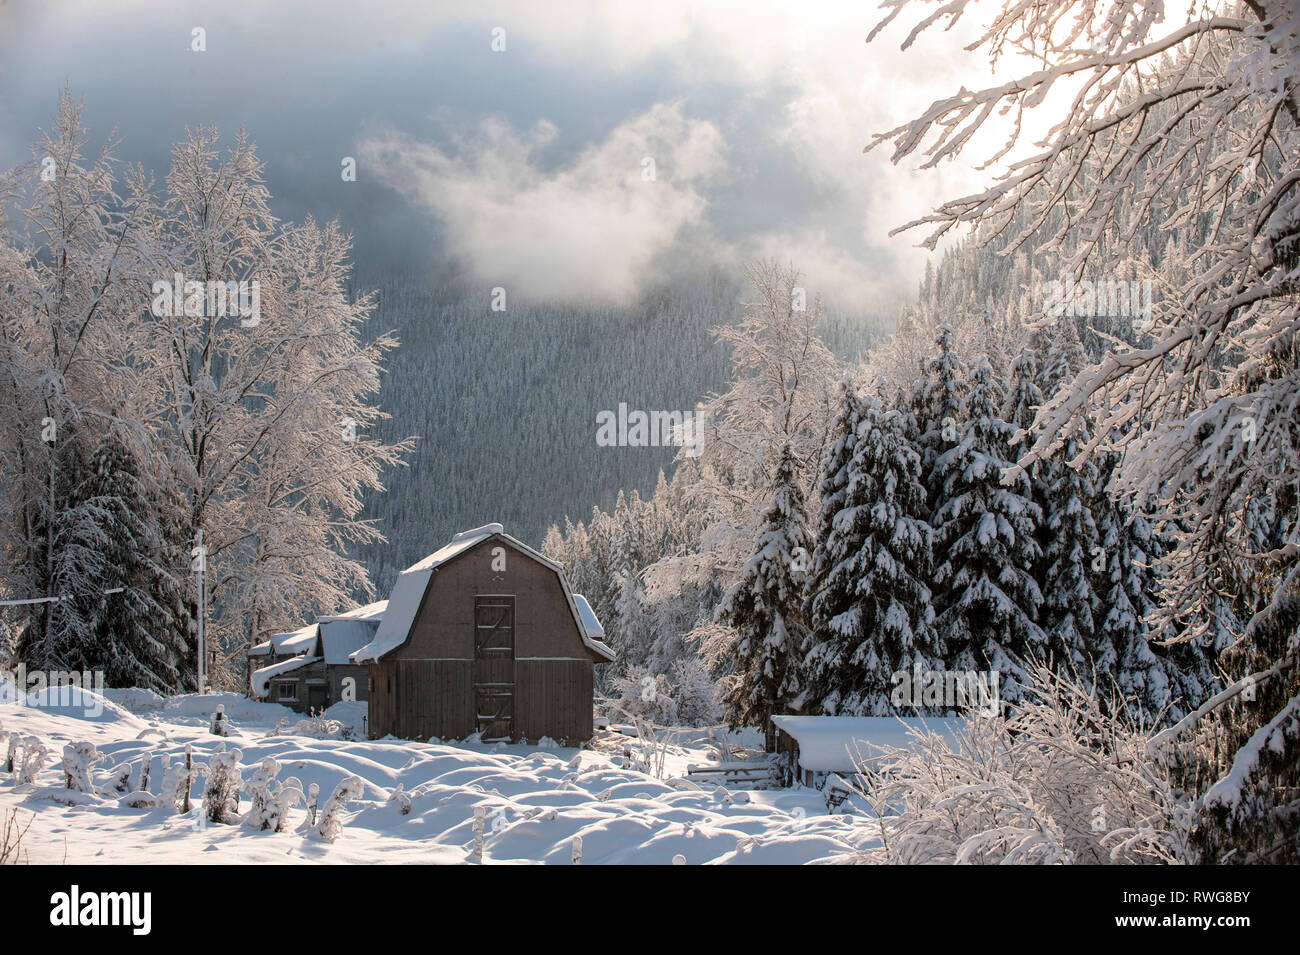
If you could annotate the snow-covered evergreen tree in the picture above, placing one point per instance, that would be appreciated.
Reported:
(764, 609)
(986, 596)
(882, 538)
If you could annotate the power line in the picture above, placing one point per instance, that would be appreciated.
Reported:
(48, 600)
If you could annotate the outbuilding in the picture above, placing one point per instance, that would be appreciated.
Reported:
(309, 670)
(816, 748)
(484, 637)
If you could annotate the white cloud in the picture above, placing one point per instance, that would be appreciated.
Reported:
(591, 228)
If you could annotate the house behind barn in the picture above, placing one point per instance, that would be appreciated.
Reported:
(309, 669)
(484, 637)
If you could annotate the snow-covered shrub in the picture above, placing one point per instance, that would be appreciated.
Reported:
(32, 761)
(120, 778)
(331, 820)
(696, 693)
(316, 726)
(146, 766)
(645, 695)
(271, 798)
(222, 782)
(11, 760)
(402, 799)
(175, 785)
(1055, 779)
(219, 725)
(78, 762)
(313, 801)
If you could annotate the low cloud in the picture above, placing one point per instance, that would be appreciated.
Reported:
(591, 227)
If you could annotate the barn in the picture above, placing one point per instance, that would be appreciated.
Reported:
(484, 637)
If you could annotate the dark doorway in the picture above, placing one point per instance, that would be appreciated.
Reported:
(494, 666)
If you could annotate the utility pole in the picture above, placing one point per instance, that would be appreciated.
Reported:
(200, 554)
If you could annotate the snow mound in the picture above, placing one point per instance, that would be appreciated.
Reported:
(78, 703)
(135, 699)
(350, 714)
(237, 707)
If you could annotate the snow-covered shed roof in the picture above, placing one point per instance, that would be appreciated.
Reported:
(260, 680)
(835, 743)
(294, 642)
(404, 601)
(341, 636)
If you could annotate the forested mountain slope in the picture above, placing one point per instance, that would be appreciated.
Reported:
(504, 403)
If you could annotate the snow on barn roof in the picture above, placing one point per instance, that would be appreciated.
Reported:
(260, 680)
(835, 743)
(595, 632)
(404, 601)
(294, 642)
(374, 611)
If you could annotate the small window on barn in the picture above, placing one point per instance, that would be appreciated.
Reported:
(288, 690)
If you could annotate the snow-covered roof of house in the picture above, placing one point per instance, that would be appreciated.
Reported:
(260, 680)
(294, 642)
(404, 601)
(835, 743)
(341, 636)
(595, 632)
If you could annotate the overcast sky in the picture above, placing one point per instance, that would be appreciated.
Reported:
(526, 166)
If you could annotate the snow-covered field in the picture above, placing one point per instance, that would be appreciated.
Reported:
(536, 800)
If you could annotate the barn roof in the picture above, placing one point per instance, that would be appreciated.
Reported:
(408, 592)
(373, 612)
(260, 680)
(595, 632)
(836, 743)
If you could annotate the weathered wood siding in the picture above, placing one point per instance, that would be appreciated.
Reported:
(433, 674)
(554, 699)
(339, 672)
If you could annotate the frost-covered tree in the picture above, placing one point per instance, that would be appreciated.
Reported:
(222, 784)
(985, 541)
(271, 798)
(242, 392)
(764, 610)
(135, 634)
(873, 617)
(330, 826)
(1196, 124)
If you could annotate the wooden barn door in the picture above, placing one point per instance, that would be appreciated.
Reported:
(494, 666)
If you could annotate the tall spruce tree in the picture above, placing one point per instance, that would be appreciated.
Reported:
(883, 533)
(987, 599)
(139, 631)
(765, 610)
(828, 596)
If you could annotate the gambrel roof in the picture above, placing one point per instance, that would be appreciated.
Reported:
(408, 593)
